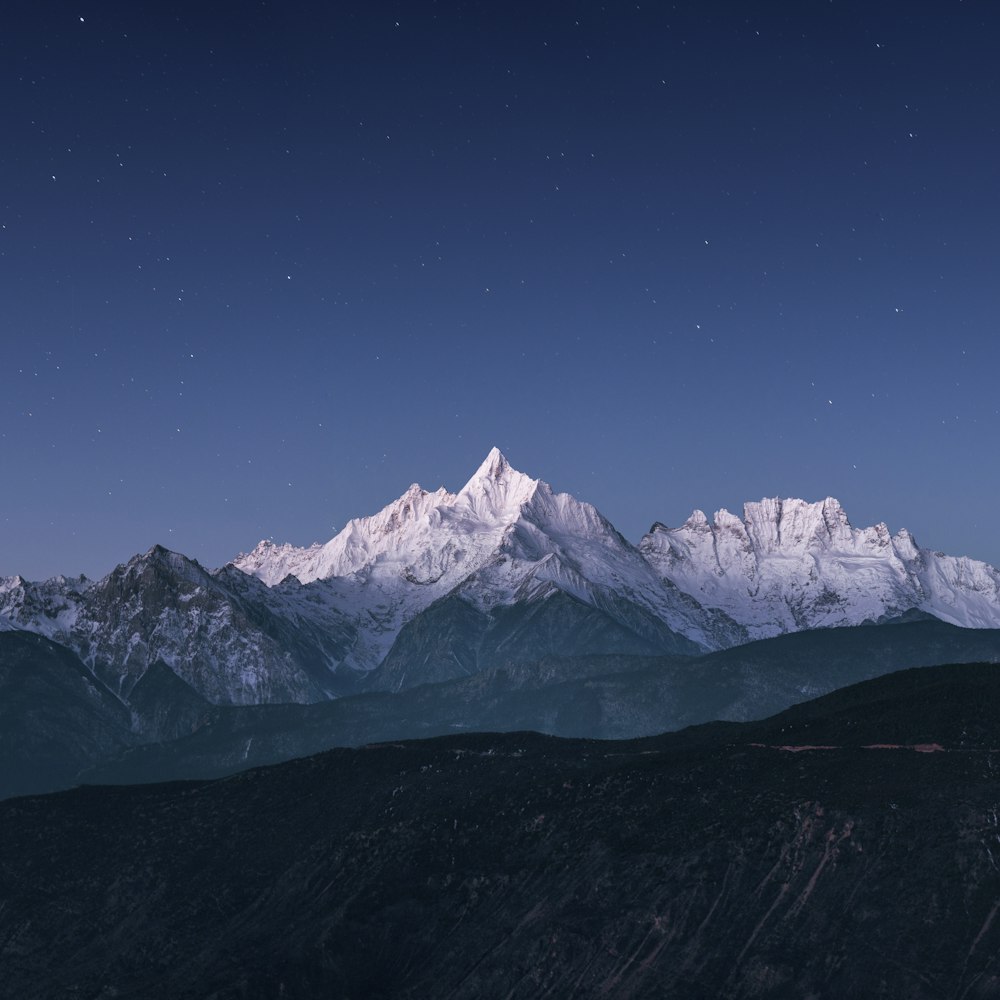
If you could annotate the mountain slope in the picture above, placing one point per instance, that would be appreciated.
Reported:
(439, 585)
(506, 539)
(55, 717)
(711, 863)
(608, 697)
(503, 540)
(453, 638)
(789, 565)
(226, 635)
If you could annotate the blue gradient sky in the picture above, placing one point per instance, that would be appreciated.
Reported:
(264, 265)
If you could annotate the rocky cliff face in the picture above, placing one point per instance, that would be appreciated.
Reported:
(789, 565)
(226, 635)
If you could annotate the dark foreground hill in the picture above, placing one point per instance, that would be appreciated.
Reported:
(59, 724)
(56, 717)
(606, 697)
(847, 848)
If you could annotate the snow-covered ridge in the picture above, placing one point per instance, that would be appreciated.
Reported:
(785, 565)
(422, 536)
(788, 565)
(302, 624)
(48, 607)
(503, 538)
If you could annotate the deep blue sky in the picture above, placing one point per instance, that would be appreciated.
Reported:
(263, 265)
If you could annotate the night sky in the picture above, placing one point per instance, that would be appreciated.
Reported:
(263, 265)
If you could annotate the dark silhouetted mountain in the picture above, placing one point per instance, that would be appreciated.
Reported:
(726, 861)
(453, 638)
(164, 707)
(595, 697)
(56, 718)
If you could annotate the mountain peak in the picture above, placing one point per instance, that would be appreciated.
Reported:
(495, 466)
(697, 520)
(160, 555)
(497, 490)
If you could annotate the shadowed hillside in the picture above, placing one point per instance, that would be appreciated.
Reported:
(721, 861)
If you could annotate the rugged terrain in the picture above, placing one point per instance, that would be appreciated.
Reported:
(440, 586)
(845, 848)
(62, 726)
(607, 697)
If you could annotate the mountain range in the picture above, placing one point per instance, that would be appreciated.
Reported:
(439, 586)
(665, 838)
(503, 606)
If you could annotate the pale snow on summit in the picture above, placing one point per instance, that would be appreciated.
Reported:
(423, 537)
(502, 539)
(790, 565)
(283, 623)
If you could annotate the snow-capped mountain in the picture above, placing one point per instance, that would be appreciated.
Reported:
(438, 584)
(288, 624)
(47, 608)
(228, 636)
(789, 565)
(504, 539)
